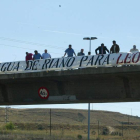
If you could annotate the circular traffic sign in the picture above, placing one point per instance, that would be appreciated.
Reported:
(43, 92)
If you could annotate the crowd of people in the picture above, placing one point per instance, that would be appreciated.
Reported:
(70, 52)
(36, 55)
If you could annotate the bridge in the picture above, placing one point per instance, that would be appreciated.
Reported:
(85, 85)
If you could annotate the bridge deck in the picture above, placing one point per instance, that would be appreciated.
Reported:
(93, 85)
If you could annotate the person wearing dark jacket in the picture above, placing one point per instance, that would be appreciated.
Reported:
(102, 49)
(114, 48)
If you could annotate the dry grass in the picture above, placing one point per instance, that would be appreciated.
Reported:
(68, 124)
(65, 135)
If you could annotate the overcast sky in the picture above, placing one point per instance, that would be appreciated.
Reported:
(28, 25)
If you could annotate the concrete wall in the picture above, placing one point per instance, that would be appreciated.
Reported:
(112, 84)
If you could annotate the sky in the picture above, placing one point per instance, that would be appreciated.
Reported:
(28, 25)
(124, 108)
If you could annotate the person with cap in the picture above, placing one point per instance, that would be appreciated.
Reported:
(36, 55)
(69, 52)
(134, 49)
(102, 49)
(46, 55)
(81, 53)
(114, 48)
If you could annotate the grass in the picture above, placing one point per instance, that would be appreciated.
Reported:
(66, 134)
(68, 124)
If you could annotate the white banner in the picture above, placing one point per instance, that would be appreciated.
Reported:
(106, 60)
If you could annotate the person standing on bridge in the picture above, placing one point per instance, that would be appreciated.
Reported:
(36, 55)
(69, 52)
(114, 48)
(102, 49)
(81, 53)
(89, 53)
(134, 49)
(46, 55)
(28, 56)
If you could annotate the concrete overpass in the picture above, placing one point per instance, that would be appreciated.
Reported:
(88, 85)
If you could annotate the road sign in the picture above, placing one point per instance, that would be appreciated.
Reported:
(43, 92)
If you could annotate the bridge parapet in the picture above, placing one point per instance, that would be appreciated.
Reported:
(65, 63)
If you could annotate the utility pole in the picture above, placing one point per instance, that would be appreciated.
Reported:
(128, 122)
(88, 121)
(6, 114)
(50, 123)
(98, 128)
(89, 38)
(122, 129)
